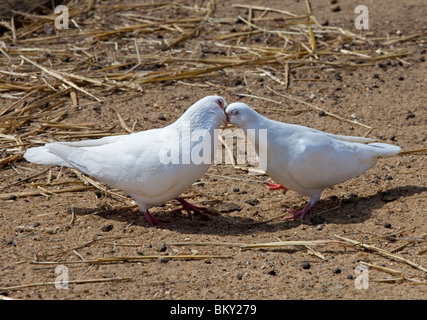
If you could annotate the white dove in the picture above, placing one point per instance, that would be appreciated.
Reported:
(151, 166)
(306, 160)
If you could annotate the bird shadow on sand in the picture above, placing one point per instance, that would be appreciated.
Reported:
(355, 209)
(351, 210)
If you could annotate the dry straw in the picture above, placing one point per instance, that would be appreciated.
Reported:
(47, 72)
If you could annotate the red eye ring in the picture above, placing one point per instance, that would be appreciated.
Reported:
(220, 103)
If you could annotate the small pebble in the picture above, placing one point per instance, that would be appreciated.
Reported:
(336, 8)
(337, 271)
(12, 197)
(350, 276)
(98, 194)
(321, 113)
(387, 225)
(388, 177)
(392, 238)
(401, 78)
(272, 272)
(306, 265)
(163, 260)
(236, 189)
(107, 228)
(252, 202)
(410, 115)
(161, 117)
(240, 276)
(162, 247)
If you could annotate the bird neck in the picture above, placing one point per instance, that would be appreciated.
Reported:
(194, 120)
(257, 123)
(256, 131)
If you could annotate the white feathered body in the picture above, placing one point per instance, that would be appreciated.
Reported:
(133, 163)
(307, 161)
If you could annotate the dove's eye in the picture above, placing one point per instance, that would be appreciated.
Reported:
(234, 111)
(220, 103)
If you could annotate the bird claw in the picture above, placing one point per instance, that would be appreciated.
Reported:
(299, 213)
(295, 214)
(274, 186)
(153, 222)
(192, 208)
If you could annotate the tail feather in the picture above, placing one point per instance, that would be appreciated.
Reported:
(350, 138)
(42, 155)
(384, 149)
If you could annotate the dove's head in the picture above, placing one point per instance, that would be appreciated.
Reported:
(241, 115)
(217, 106)
(210, 109)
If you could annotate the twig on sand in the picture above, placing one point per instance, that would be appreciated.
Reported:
(60, 77)
(382, 252)
(320, 109)
(134, 258)
(44, 284)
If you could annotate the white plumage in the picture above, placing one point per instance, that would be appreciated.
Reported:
(306, 160)
(150, 166)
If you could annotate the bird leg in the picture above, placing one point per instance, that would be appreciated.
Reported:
(300, 213)
(192, 208)
(153, 222)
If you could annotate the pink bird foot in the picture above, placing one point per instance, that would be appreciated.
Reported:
(153, 222)
(275, 186)
(299, 213)
(203, 211)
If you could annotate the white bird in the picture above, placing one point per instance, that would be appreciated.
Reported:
(306, 160)
(151, 166)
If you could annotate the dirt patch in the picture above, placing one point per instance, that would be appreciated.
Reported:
(374, 80)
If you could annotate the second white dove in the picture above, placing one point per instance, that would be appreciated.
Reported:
(306, 160)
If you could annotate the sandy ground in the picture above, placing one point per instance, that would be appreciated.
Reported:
(386, 207)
